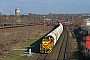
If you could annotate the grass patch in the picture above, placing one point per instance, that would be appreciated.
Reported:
(5, 34)
(33, 44)
(16, 55)
(29, 43)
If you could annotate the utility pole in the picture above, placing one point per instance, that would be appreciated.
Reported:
(26, 33)
(44, 23)
(77, 11)
(77, 14)
(10, 12)
(0, 16)
(0, 13)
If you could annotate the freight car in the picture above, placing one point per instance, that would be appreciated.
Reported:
(88, 43)
(49, 41)
(10, 25)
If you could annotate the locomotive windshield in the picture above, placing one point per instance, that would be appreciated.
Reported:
(46, 38)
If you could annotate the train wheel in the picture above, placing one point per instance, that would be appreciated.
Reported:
(50, 50)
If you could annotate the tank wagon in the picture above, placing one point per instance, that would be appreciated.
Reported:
(49, 41)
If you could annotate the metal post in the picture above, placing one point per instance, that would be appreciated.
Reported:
(30, 51)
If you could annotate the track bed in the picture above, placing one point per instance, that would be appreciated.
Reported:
(58, 50)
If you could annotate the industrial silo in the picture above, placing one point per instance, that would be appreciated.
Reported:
(17, 12)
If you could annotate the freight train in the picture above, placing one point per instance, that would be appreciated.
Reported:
(49, 41)
(13, 25)
(86, 33)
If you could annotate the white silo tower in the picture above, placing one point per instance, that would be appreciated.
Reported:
(17, 12)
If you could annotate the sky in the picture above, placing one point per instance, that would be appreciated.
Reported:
(45, 6)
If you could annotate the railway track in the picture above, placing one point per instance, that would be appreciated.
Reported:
(59, 50)
(72, 32)
(62, 52)
(72, 52)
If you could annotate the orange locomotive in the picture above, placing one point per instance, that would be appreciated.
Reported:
(49, 41)
(47, 44)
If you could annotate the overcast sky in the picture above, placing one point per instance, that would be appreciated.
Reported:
(45, 6)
